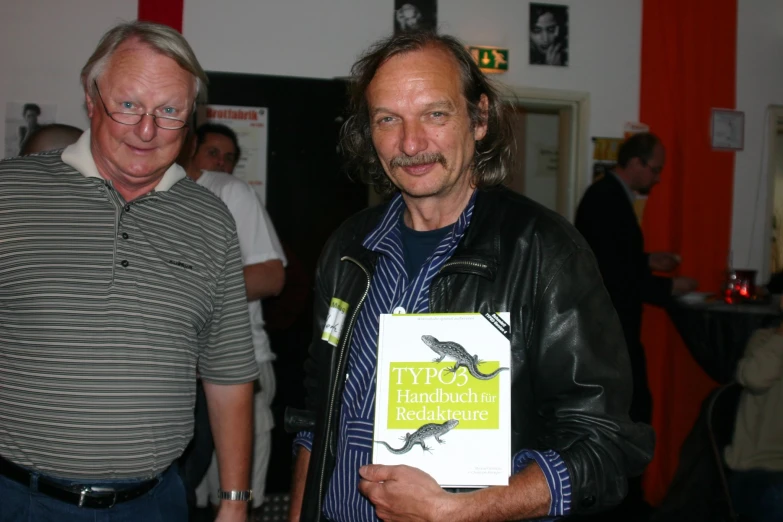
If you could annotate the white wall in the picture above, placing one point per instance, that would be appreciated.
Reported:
(46, 42)
(759, 84)
(44, 46)
(320, 38)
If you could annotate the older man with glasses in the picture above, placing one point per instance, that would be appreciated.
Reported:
(119, 277)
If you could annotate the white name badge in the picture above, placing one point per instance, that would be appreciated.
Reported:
(333, 328)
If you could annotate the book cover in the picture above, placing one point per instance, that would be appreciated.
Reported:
(443, 397)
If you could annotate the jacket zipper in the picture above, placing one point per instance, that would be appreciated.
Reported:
(347, 339)
(468, 263)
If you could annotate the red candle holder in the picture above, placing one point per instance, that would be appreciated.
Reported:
(740, 286)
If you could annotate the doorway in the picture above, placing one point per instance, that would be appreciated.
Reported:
(551, 162)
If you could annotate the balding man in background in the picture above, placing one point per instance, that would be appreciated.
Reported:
(54, 136)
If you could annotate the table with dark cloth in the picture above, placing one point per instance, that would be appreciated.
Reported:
(716, 332)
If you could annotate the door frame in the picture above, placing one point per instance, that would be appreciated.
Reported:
(774, 114)
(576, 155)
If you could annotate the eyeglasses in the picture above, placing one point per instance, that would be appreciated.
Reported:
(133, 118)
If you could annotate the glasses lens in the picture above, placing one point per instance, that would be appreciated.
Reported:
(169, 123)
(126, 118)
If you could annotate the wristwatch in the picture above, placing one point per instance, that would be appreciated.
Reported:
(244, 496)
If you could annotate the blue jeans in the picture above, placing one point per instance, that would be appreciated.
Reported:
(758, 494)
(163, 503)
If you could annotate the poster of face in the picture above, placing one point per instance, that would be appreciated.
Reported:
(548, 34)
(415, 15)
(22, 119)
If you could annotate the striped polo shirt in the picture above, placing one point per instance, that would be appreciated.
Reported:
(106, 310)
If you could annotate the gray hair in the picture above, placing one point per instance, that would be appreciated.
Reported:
(161, 38)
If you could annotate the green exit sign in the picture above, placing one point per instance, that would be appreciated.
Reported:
(490, 59)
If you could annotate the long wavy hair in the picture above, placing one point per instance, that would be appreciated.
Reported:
(492, 156)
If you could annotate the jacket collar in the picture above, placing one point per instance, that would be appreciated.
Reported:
(479, 251)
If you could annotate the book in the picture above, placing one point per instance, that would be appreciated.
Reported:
(442, 401)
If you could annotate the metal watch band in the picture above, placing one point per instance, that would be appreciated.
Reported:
(244, 496)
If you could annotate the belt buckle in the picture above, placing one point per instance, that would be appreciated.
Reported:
(92, 489)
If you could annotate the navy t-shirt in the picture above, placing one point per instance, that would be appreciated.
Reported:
(419, 246)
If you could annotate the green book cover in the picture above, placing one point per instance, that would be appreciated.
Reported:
(443, 396)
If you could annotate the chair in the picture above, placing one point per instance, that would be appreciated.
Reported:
(721, 416)
(699, 491)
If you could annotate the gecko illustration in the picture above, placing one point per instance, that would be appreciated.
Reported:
(417, 437)
(460, 355)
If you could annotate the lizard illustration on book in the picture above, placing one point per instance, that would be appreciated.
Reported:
(417, 437)
(460, 355)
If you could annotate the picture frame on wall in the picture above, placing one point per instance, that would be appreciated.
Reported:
(415, 15)
(548, 34)
(727, 129)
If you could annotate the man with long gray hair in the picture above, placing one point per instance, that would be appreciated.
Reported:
(429, 130)
(118, 277)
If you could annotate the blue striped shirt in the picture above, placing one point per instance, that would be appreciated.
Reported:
(391, 290)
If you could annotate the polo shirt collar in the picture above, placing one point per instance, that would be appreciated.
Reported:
(79, 156)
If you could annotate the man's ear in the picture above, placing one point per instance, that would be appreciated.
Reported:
(480, 130)
(89, 103)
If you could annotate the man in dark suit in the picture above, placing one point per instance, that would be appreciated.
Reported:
(606, 218)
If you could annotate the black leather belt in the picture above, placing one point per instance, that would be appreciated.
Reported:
(94, 497)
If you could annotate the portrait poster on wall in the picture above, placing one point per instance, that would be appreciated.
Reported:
(250, 125)
(415, 15)
(548, 34)
(21, 119)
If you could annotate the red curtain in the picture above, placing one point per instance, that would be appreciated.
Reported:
(688, 67)
(167, 12)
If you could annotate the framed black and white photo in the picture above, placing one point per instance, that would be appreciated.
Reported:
(415, 15)
(548, 34)
(22, 119)
(728, 129)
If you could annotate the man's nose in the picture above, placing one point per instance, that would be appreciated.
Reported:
(146, 128)
(413, 138)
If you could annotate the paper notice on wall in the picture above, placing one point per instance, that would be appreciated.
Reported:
(22, 118)
(634, 127)
(251, 127)
(605, 149)
(546, 162)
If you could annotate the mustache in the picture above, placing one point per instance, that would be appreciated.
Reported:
(419, 159)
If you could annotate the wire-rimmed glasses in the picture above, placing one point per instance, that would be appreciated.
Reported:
(133, 118)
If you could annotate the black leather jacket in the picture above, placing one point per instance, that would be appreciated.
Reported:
(571, 380)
